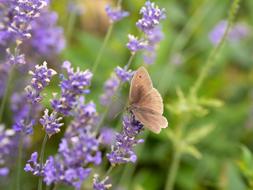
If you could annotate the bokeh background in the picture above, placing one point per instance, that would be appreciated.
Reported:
(224, 158)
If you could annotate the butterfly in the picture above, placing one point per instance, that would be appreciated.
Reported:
(145, 102)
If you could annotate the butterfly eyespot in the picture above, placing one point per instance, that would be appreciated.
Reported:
(139, 76)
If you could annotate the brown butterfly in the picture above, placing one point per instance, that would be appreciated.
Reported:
(145, 102)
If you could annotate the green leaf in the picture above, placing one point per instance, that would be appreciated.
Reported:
(192, 150)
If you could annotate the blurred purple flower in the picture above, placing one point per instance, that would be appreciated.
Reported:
(107, 136)
(236, 33)
(33, 166)
(115, 14)
(41, 77)
(16, 17)
(72, 88)
(151, 16)
(7, 144)
(47, 38)
(134, 44)
(122, 151)
(101, 185)
(16, 58)
(51, 123)
(123, 74)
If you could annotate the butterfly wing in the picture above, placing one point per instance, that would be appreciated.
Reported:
(141, 84)
(152, 100)
(151, 120)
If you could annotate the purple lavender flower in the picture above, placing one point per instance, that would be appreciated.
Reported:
(72, 88)
(51, 123)
(115, 14)
(110, 88)
(40, 79)
(47, 37)
(77, 151)
(134, 44)
(151, 16)
(7, 144)
(122, 151)
(236, 33)
(107, 136)
(33, 166)
(15, 59)
(16, 17)
(101, 185)
(123, 74)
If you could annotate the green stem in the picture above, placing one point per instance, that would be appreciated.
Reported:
(5, 97)
(70, 25)
(20, 155)
(109, 170)
(42, 159)
(101, 51)
(211, 59)
(173, 169)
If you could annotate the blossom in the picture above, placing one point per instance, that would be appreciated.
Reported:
(151, 16)
(236, 33)
(7, 145)
(72, 87)
(123, 74)
(47, 38)
(41, 77)
(79, 148)
(51, 123)
(122, 151)
(16, 58)
(101, 185)
(107, 136)
(16, 18)
(134, 44)
(33, 166)
(115, 14)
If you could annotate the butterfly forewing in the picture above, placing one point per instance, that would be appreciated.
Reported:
(141, 84)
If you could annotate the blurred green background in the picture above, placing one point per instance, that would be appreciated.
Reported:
(223, 164)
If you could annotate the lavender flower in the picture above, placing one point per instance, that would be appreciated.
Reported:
(122, 151)
(101, 185)
(151, 16)
(236, 33)
(107, 136)
(33, 166)
(115, 14)
(77, 151)
(16, 18)
(15, 59)
(72, 88)
(51, 123)
(123, 74)
(134, 44)
(47, 38)
(7, 145)
(40, 79)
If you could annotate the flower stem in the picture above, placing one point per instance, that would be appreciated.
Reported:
(173, 169)
(101, 51)
(20, 155)
(42, 159)
(8, 84)
(216, 50)
(109, 170)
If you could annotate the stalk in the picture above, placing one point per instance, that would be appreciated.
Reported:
(20, 155)
(41, 159)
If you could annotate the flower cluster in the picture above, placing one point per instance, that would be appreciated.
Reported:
(41, 77)
(16, 18)
(51, 123)
(120, 76)
(237, 32)
(77, 151)
(149, 25)
(47, 38)
(33, 166)
(72, 88)
(115, 14)
(7, 144)
(122, 151)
